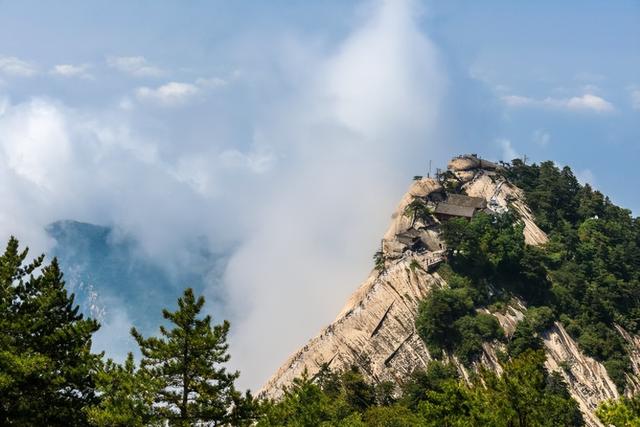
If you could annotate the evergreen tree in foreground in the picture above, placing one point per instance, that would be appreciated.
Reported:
(188, 359)
(126, 396)
(46, 364)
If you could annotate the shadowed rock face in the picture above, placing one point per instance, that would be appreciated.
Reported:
(375, 330)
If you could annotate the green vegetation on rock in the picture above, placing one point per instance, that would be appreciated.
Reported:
(524, 395)
(587, 276)
(592, 259)
(624, 412)
(447, 321)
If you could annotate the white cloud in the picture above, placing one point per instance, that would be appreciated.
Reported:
(300, 206)
(354, 81)
(195, 169)
(126, 104)
(58, 163)
(172, 94)
(137, 66)
(508, 152)
(541, 137)
(258, 160)
(350, 136)
(589, 102)
(70, 70)
(34, 142)
(12, 66)
(36, 151)
(586, 102)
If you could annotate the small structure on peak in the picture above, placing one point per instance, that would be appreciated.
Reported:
(461, 171)
(468, 162)
(459, 206)
(467, 166)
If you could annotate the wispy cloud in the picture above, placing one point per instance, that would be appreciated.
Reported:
(12, 66)
(172, 94)
(176, 94)
(367, 130)
(586, 102)
(508, 151)
(137, 66)
(70, 70)
(541, 137)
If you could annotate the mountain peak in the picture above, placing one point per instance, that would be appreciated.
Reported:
(375, 331)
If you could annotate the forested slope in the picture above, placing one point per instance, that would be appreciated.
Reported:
(551, 266)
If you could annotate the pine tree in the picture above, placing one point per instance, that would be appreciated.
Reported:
(15, 368)
(46, 364)
(126, 398)
(189, 359)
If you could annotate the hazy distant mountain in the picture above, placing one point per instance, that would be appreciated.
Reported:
(104, 269)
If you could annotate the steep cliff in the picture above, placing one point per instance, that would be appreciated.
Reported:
(375, 330)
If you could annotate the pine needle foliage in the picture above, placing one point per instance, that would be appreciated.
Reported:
(189, 359)
(46, 364)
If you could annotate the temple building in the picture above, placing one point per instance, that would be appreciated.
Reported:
(459, 206)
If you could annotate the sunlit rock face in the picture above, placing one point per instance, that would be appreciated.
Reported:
(375, 330)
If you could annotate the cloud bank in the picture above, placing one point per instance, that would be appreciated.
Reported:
(365, 124)
(297, 189)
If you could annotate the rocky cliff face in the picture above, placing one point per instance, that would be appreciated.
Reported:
(375, 330)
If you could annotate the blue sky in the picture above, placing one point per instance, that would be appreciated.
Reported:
(282, 133)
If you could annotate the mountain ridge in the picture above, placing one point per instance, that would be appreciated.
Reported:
(375, 330)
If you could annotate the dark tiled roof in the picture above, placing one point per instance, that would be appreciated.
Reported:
(455, 210)
(466, 201)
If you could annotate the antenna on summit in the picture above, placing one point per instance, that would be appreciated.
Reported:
(429, 173)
